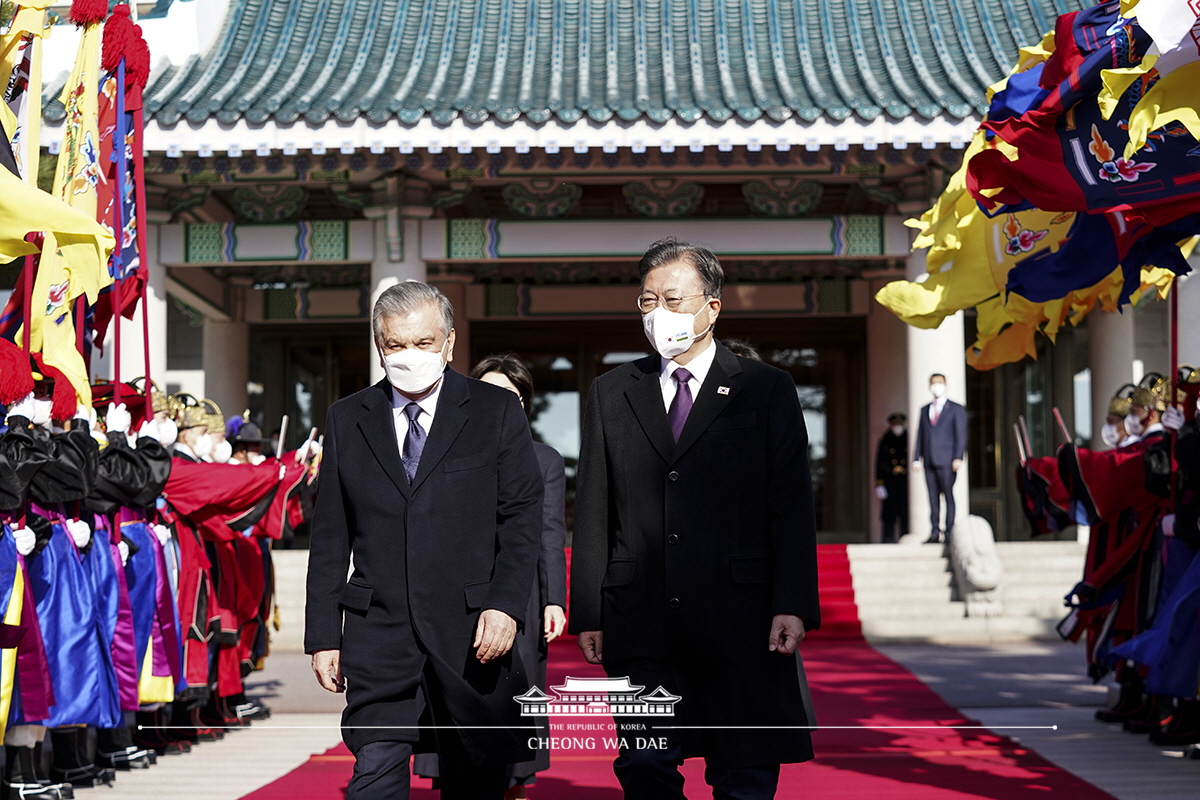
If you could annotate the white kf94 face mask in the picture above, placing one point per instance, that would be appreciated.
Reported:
(413, 371)
(671, 332)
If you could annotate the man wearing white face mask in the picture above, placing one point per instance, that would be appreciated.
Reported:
(429, 480)
(938, 451)
(694, 559)
(194, 443)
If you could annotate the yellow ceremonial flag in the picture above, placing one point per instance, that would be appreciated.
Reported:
(21, 63)
(79, 170)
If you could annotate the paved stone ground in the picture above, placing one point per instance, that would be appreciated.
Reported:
(1043, 684)
(1038, 683)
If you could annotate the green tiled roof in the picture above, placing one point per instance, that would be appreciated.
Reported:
(322, 60)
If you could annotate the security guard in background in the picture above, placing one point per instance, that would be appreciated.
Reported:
(891, 478)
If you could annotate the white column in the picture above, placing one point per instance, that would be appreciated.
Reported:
(1110, 359)
(941, 350)
(227, 364)
(1189, 320)
(386, 272)
(887, 387)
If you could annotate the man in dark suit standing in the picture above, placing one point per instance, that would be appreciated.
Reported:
(429, 481)
(891, 479)
(694, 558)
(941, 442)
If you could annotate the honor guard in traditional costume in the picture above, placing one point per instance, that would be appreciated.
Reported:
(1116, 598)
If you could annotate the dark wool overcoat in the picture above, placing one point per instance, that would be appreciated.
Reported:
(683, 552)
(428, 558)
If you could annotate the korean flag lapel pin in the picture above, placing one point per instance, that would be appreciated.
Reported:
(722, 390)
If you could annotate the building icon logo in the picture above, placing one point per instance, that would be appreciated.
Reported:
(612, 696)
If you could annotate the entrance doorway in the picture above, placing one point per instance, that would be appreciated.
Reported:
(299, 370)
(825, 357)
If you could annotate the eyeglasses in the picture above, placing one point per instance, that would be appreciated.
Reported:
(648, 302)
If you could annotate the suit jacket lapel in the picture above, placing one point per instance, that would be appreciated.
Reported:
(448, 422)
(725, 373)
(378, 426)
(646, 398)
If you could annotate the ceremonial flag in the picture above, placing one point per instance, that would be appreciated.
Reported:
(20, 69)
(126, 64)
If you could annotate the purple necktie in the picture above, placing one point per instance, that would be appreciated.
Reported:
(681, 406)
(414, 441)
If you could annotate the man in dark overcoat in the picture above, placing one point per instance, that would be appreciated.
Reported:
(694, 558)
(429, 483)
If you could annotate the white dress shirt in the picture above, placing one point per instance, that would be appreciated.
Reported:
(937, 407)
(698, 367)
(428, 406)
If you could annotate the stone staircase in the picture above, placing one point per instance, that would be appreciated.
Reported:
(905, 593)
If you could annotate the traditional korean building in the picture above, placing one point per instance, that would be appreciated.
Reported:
(521, 154)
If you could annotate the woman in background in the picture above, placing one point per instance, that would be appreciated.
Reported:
(549, 598)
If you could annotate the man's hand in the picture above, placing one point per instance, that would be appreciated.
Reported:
(916, 466)
(592, 645)
(327, 666)
(494, 635)
(787, 632)
(955, 464)
(554, 622)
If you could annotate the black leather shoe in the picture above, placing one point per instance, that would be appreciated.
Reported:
(934, 538)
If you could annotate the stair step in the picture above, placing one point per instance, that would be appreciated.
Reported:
(976, 629)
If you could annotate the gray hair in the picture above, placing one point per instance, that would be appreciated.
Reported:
(703, 260)
(405, 298)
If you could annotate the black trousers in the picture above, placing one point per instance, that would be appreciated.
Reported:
(939, 479)
(381, 773)
(894, 512)
(653, 773)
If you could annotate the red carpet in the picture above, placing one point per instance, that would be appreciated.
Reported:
(852, 685)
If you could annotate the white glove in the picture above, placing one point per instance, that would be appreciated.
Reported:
(1172, 418)
(314, 449)
(25, 540)
(148, 429)
(23, 407)
(86, 413)
(1168, 525)
(118, 418)
(163, 533)
(80, 532)
(123, 547)
(881, 492)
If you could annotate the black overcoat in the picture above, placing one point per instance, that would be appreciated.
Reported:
(428, 558)
(684, 552)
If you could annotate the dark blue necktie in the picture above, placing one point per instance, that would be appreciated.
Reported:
(414, 441)
(681, 405)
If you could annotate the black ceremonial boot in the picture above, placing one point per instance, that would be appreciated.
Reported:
(21, 779)
(151, 734)
(1131, 702)
(115, 749)
(1184, 727)
(1158, 713)
(71, 764)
